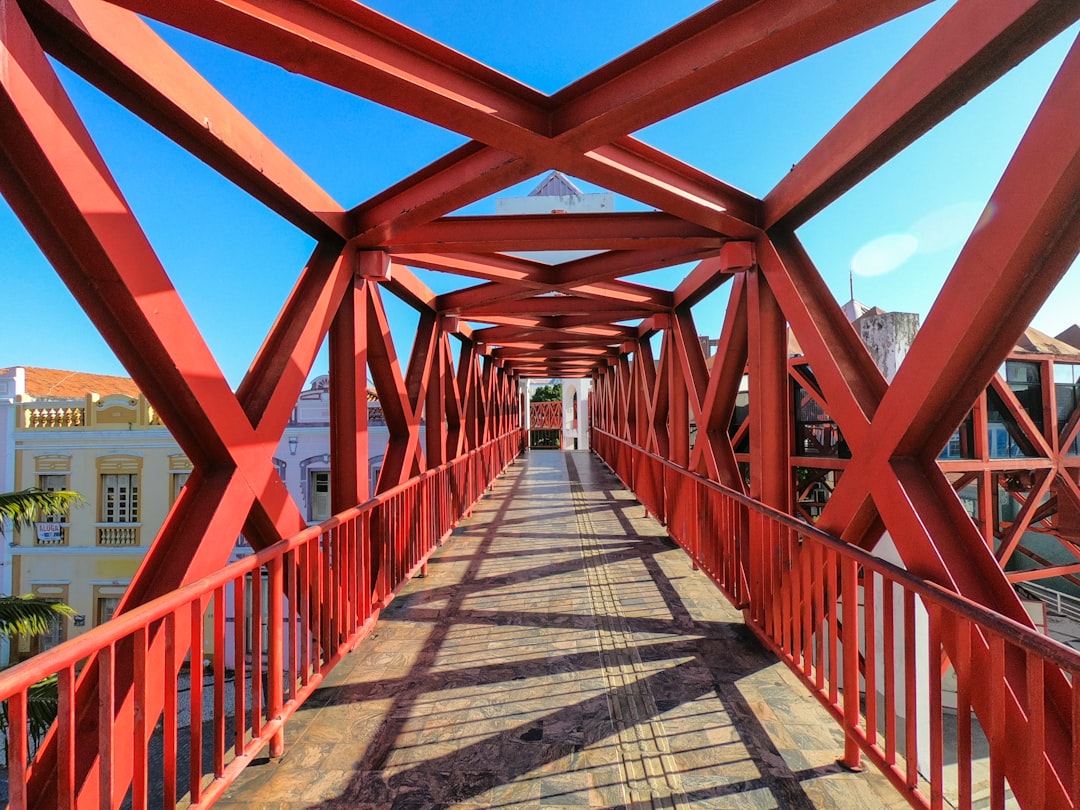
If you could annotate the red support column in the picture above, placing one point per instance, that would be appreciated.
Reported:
(435, 425)
(349, 484)
(770, 405)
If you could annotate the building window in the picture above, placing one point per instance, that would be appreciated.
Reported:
(178, 482)
(104, 609)
(52, 528)
(319, 505)
(53, 483)
(120, 498)
(58, 629)
(1025, 380)
(56, 636)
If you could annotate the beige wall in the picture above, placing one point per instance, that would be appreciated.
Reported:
(119, 438)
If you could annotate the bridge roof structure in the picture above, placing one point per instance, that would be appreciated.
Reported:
(589, 129)
(517, 318)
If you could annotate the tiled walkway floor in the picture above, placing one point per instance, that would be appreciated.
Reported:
(560, 653)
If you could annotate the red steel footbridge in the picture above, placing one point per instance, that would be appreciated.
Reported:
(923, 660)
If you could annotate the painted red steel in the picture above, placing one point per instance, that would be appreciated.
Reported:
(841, 618)
(878, 465)
(298, 606)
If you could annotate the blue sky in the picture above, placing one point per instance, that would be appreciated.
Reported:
(234, 262)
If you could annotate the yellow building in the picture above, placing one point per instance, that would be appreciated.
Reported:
(113, 450)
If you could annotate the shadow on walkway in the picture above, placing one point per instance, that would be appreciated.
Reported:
(561, 652)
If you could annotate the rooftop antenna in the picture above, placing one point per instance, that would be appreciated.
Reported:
(851, 282)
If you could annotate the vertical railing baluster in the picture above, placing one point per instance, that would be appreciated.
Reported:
(292, 638)
(1036, 727)
(195, 699)
(328, 617)
(303, 610)
(317, 622)
(962, 664)
(820, 632)
(810, 632)
(65, 734)
(239, 664)
(831, 566)
(275, 652)
(106, 678)
(850, 585)
(997, 733)
(911, 706)
(888, 640)
(937, 733)
(170, 715)
(18, 753)
(1075, 741)
(220, 713)
(869, 614)
(336, 570)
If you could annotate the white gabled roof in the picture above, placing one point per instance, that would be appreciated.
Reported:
(556, 185)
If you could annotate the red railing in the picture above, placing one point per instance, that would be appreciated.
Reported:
(269, 628)
(843, 619)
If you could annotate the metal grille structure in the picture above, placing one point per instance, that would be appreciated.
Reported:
(530, 319)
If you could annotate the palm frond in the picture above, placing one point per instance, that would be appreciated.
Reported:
(30, 615)
(24, 506)
(42, 703)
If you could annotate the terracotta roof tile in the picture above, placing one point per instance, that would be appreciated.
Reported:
(1071, 336)
(60, 384)
(1035, 342)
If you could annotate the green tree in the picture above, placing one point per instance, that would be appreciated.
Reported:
(22, 507)
(548, 393)
(31, 615)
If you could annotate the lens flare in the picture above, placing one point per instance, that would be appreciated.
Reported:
(947, 227)
(884, 254)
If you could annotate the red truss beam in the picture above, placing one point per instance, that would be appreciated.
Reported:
(581, 325)
(122, 56)
(614, 231)
(564, 320)
(720, 39)
(395, 66)
(489, 298)
(718, 49)
(512, 337)
(968, 49)
(348, 46)
(58, 185)
(714, 403)
(553, 351)
(613, 310)
(511, 269)
(508, 269)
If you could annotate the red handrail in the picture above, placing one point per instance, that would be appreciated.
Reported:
(842, 618)
(318, 593)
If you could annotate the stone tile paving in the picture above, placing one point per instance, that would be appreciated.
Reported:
(560, 653)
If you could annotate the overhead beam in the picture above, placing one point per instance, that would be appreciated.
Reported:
(722, 47)
(121, 55)
(562, 304)
(346, 45)
(484, 297)
(615, 231)
(966, 51)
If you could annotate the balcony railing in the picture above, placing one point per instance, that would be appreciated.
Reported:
(120, 684)
(118, 534)
(896, 660)
(53, 417)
